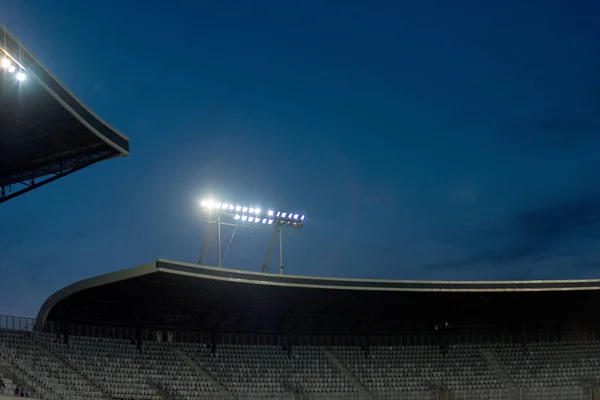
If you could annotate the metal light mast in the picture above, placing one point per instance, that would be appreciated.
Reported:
(231, 214)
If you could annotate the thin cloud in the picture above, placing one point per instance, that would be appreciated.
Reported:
(532, 235)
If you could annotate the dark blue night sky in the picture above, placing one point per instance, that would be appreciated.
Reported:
(428, 140)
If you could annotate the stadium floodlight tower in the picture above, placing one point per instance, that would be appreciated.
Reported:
(237, 215)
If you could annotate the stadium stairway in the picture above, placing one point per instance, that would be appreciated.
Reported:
(170, 371)
(48, 378)
(200, 372)
(364, 393)
(53, 351)
(11, 385)
(418, 371)
(539, 367)
(500, 373)
(270, 371)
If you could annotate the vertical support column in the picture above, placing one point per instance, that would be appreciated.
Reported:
(276, 228)
(65, 324)
(209, 232)
(213, 341)
(66, 331)
(280, 249)
(219, 239)
(139, 338)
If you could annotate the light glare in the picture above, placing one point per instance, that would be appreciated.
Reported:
(237, 212)
(12, 69)
(5, 63)
(21, 77)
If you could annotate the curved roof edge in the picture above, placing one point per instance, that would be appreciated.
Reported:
(164, 264)
(372, 284)
(311, 282)
(100, 128)
(93, 282)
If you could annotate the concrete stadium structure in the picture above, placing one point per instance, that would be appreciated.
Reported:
(183, 331)
(187, 296)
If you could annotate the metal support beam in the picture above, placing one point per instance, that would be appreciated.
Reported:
(219, 240)
(31, 183)
(206, 245)
(275, 232)
(280, 250)
(276, 229)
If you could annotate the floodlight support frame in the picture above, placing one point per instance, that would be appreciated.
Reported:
(276, 230)
(219, 240)
(280, 250)
(205, 246)
(207, 240)
(275, 233)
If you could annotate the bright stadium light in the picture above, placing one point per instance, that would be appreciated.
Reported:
(243, 215)
(206, 204)
(7, 65)
(230, 210)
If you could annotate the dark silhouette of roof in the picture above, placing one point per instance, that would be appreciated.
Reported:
(178, 295)
(45, 131)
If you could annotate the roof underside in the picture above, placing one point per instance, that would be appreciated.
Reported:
(185, 296)
(45, 132)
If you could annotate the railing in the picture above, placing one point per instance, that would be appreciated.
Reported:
(25, 324)
(17, 323)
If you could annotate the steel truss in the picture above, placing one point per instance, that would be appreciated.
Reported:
(26, 181)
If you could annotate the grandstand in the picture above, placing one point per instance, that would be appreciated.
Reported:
(170, 330)
(45, 131)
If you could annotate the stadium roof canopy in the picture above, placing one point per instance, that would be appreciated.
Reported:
(176, 295)
(45, 132)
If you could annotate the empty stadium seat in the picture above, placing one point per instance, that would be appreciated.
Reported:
(98, 369)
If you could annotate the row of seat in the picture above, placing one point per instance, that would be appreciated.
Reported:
(102, 369)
